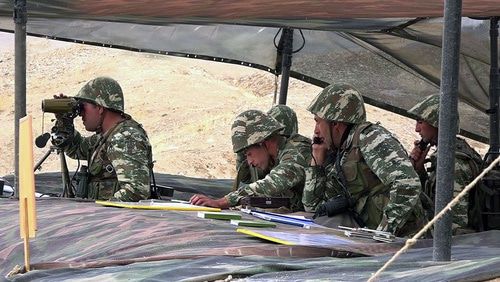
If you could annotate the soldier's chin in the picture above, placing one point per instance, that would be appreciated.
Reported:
(91, 129)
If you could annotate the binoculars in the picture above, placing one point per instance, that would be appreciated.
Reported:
(62, 106)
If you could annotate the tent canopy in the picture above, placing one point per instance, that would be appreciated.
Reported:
(389, 50)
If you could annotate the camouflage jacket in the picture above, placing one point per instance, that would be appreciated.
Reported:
(377, 173)
(286, 178)
(467, 167)
(118, 162)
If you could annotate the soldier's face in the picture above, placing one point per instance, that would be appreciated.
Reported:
(428, 132)
(91, 116)
(258, 156)
(322, 129)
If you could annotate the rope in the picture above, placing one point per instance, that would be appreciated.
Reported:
(413, 240)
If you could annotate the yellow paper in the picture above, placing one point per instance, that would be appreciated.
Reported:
(27, 209)
(157, 206)
(265, 237)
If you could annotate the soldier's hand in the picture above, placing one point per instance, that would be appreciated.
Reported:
(60, 96)
(62, 116)
(417, 156)
(63, 130)
(320, 211)
(202, 200)
(319, 151)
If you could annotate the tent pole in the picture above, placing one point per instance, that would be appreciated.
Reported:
(494, 150)
(448, 116)
(20, 19)
(286, 63)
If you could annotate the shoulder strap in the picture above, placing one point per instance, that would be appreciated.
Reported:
(103, 140)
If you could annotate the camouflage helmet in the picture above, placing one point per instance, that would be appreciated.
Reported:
(287, 117)
(340, 103)
(103, 91)
(427, 110)
(252, 127)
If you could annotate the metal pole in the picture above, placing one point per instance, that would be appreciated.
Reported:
(494, 150)
(286, 63)
(20, 19)
(67, 188)
(448, 116)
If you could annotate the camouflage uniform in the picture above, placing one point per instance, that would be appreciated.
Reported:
(286, 178)
(467, 165)
(284, 115)
(119, 160)
(371, 164)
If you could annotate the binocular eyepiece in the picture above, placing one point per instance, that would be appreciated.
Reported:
(62, 106)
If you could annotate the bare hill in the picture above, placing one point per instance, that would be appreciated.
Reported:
(186, 105)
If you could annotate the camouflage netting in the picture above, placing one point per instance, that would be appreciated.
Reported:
(81, 240)
(394, 61)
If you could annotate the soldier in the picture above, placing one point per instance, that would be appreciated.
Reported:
(288, 118)
(119, 153)
(282, 160)
(468, 162)
(359, 168)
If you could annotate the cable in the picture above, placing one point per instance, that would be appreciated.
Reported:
(303, 42)
(274, 39)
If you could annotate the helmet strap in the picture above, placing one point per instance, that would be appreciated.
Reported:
(272, 162)
(101, 120)
(330, 128)
(346, 133)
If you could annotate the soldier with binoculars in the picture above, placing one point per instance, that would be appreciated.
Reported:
(119, 154)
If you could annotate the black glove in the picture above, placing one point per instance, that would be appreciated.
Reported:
(336, 205)
(63, 130)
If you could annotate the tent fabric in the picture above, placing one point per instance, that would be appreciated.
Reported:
(297, 13)
(83, 234)
(50, 183)
(416, 265)
(394, 62)
(78, 240)
(81, 240)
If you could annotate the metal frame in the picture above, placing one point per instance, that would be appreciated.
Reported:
(494, 150)
(20, 20)
(286, 50)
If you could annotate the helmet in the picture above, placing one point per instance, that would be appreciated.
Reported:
(252, 127)
(103, 91)
(287, 117)
(427, 110)
(339, 102)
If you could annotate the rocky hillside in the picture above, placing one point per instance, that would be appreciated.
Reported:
(186, 105)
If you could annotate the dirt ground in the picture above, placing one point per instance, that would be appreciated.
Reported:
(186, 105)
